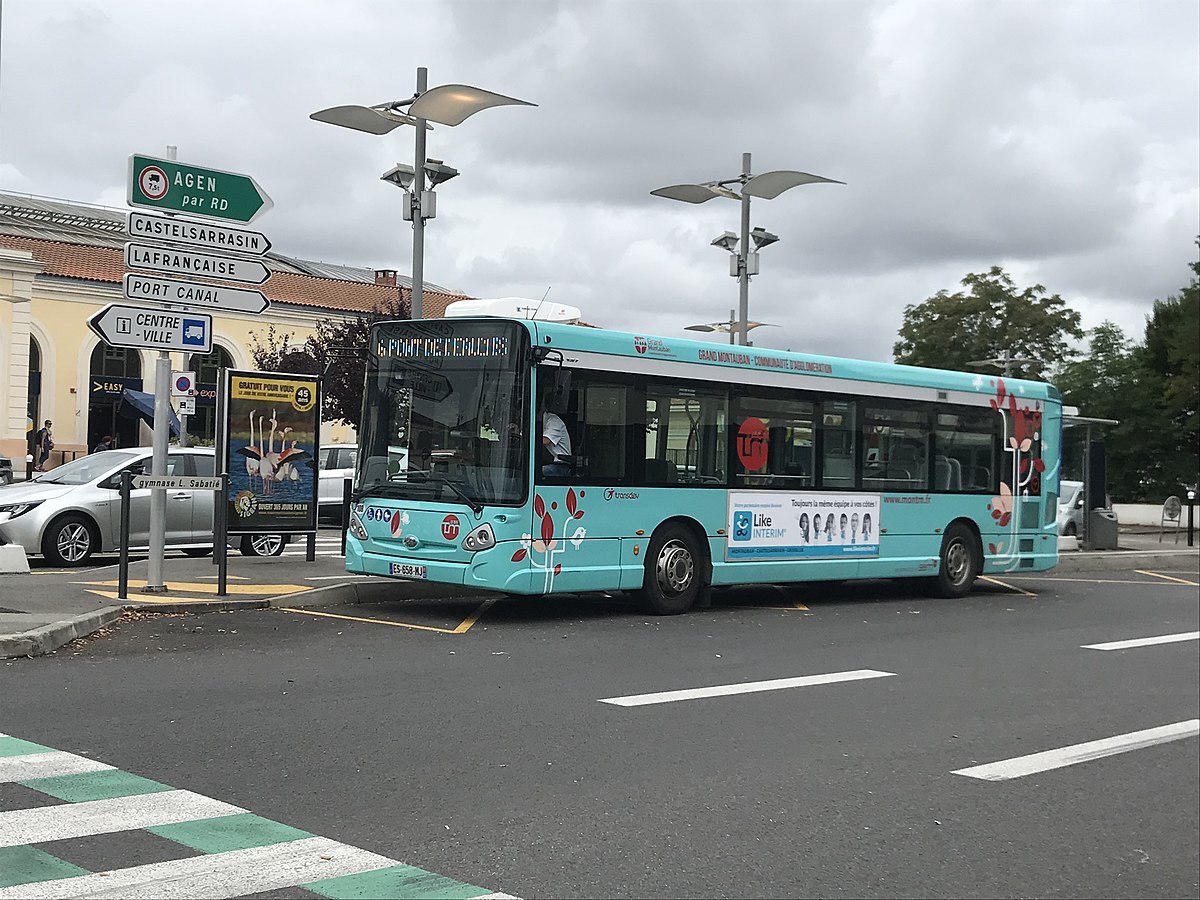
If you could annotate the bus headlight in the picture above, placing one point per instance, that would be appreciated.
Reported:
(356, 527)
(480, 538)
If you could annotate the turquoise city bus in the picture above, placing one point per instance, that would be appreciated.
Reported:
(691, 465)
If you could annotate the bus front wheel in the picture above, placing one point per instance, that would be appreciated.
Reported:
(674, 572)
(958, 565)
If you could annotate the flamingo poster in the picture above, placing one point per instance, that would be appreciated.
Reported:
(272, 432)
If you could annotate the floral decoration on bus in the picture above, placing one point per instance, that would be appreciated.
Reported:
(1022, 439)
(542, 550)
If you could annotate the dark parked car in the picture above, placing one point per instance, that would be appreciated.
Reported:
(6, 470)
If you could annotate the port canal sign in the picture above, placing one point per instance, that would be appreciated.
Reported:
(212, 297)
(153, 329)
(170, 186)
(204, 235)
(185, 262)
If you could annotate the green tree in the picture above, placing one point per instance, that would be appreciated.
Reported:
(1170, 365)
(337, 352)
(1102, 385)
(989, 319)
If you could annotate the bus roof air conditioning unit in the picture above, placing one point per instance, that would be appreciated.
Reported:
(515, 308)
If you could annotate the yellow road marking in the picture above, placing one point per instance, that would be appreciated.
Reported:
(266, 590)
(1096, 581)
(1004, 584)
(462, 628)
(1168, 577)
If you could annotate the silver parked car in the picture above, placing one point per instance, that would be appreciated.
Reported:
(72, 512)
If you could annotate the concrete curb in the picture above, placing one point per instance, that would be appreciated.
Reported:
(48, 638)
(1109, 560)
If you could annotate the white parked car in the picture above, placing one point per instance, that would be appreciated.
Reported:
(335, 464)
(72, 512)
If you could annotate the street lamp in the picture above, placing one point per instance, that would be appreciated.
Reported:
(446, 104)
(1005, 361)
(767, 186)
(730, 325)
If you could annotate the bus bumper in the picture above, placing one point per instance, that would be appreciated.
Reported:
(483, 571)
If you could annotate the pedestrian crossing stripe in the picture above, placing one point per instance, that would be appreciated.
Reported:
(240, 853)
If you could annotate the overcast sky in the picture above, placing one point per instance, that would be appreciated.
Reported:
(1060, 140)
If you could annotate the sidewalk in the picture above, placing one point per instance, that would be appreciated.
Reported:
(45, 609)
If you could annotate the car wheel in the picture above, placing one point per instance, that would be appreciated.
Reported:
(262, 544)
(70, 541)
(958, 565)
(1070, 530)
(674, 572)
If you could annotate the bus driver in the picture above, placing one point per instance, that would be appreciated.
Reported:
(557, 442)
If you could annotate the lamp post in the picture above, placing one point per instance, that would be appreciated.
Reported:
(731, 325)
(446, 104)
(1005, 361)
(768, 186)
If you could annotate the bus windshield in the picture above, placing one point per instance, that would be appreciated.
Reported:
(445, 413)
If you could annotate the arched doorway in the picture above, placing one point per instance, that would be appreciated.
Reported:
(202, 427)
(112, 370)
(33, 406)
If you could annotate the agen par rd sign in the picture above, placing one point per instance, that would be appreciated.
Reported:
(171, 186)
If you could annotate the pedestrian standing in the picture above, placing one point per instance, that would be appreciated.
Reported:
(45, 443)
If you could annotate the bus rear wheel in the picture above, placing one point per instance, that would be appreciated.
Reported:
(674, 572)
(958, 565)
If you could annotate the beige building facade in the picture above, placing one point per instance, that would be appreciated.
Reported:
(61, 263)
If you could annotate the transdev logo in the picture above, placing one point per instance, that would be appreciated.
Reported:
(639, 344)
(743, 519)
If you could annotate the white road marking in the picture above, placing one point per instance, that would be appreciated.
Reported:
(46, 765)
(1145, 642)
(72, 820)
(1078, 753)
(229, 874)
(748, 687)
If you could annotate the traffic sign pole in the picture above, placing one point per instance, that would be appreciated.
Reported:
(158, 496)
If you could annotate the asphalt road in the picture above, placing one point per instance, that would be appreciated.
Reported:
(472, 742)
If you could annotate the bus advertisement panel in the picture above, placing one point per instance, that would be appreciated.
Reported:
(771, 525)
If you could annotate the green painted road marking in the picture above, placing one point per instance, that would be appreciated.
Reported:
(95, 786)
(397, 883)
(237, 849)
(27, 865)
(11, 746)
(229, 833)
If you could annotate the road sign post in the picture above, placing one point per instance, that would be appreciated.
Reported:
(193, 294)
(202, 235)
(186, 262)
(153, 329)
(171, 186)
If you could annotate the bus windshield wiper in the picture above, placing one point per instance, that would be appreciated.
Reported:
(475, 505)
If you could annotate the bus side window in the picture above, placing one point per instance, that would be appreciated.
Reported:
(602, 423)
(839, 432)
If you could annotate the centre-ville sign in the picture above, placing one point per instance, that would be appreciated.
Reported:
(153, 329)
(170, 186)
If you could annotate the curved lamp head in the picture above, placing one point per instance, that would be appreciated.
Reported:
(770, 185)
(451, 104)
(694, 193)
(371, 119)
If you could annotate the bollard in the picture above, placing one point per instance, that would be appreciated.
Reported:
(123, 568)
(1191, 495)
(347, 488)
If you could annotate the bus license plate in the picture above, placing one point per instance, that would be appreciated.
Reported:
(407, 570)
